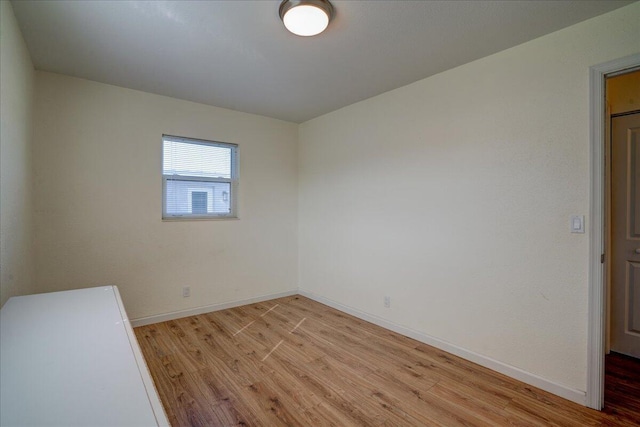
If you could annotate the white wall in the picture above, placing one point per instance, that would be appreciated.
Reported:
(16, 108)
(98, 199)
(453, 195)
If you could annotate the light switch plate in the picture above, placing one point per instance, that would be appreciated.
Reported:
(577, 223)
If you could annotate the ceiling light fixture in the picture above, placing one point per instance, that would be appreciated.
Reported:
(306, 17)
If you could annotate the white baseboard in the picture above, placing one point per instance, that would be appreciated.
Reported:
(141, 321)
(495, 365)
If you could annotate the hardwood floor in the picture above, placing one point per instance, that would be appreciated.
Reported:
(295, 362)
(622, 387)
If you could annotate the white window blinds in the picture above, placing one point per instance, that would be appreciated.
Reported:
(199, 178)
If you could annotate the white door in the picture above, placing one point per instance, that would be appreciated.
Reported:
(625, 205)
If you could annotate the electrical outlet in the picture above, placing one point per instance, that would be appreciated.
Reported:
(186, 291)
(387, 302)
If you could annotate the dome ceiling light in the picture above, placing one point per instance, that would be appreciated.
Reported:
(306, 17)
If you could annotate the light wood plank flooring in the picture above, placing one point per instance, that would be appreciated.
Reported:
(295, 362)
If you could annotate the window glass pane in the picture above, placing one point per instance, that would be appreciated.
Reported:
(197, 197)
(196, 177)
(193, 159)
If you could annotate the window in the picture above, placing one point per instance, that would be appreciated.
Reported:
(199, 178)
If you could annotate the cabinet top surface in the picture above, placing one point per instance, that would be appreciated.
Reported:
(66, 359)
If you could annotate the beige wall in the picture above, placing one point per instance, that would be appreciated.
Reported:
(16, 107)
(98, 193)
(453, 195)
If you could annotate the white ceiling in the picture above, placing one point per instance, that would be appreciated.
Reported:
(238, 55)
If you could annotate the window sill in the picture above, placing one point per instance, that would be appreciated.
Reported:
(200, 218)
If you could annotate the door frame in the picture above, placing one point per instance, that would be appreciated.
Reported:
(597, 296)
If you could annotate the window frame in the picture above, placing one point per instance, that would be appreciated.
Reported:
(233, 181)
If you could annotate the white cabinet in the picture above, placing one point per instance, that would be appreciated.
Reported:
(71, 359)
